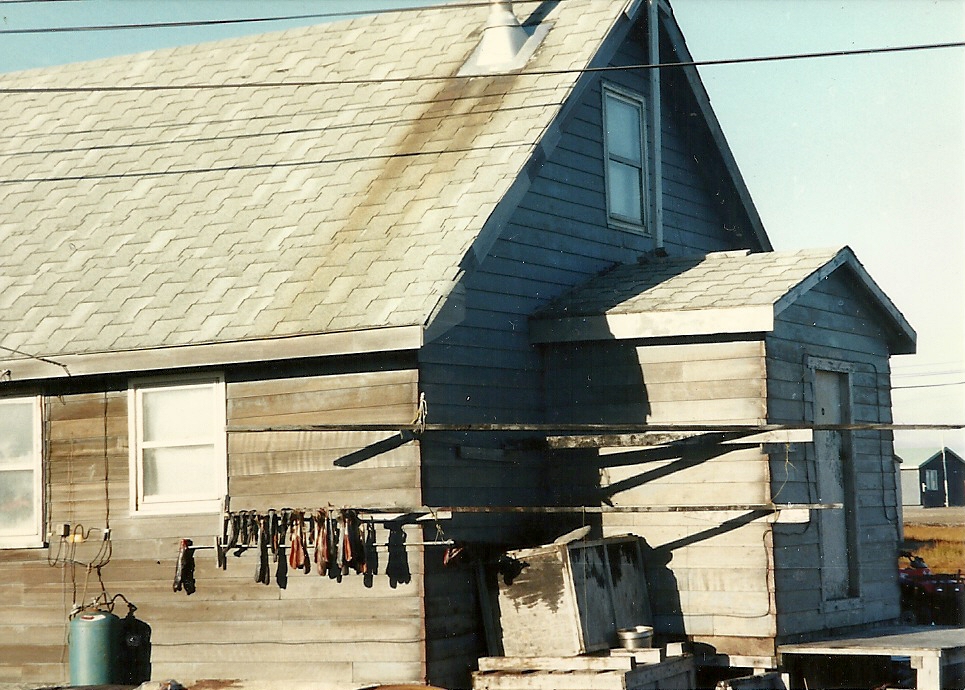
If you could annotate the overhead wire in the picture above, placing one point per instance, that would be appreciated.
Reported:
(203, 86)
(354, 124)
(929, 385)
(275, 115)
(244, 20)
(277, 164)
(261, 166)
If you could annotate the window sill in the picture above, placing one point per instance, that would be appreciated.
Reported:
(208, 507)
(617, 224)
(32, 542)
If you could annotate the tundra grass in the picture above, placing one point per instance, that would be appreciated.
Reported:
(942, 546)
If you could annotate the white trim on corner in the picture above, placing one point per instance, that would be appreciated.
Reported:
(139, 507)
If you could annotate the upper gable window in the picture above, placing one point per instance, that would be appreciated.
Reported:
(624, 138)
(21, 473)
(178, 447)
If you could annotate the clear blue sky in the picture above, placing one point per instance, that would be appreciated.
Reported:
(866, 151)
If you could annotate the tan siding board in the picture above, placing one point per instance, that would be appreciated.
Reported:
(701, 352)
(77, 429)
(295, 404)
(332, 481)
(733, 471)
(693, 495)
(397, 414)
(336, 675)
(87, 406)
(372, 608)
(319, 631)
(315, 384)
(279, 462)
(375, 498)
(289, 653)
(280, 441)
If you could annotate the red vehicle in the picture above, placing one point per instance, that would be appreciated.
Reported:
(929, 598)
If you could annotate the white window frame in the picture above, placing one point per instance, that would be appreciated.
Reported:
(180, 505)
(636, 100)
(36, 464)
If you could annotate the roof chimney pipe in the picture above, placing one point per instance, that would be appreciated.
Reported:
(503, 36)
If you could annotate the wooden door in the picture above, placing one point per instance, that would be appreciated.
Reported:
(835, 485)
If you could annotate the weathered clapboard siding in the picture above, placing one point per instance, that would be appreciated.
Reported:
(369, 631)
(385, 476)
(833, 321)
(687, 383)
(85, 469)
(684, 383)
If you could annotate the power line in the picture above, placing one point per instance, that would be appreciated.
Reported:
(260, 166)
(929, 385)
(280, 114)
(256, 135)
(448, 77)
(243, 20)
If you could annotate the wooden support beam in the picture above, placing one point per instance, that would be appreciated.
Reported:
(681, 438)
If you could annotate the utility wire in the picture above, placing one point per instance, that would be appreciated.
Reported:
(355, 124)
(260, 166)
(448, 77)
(275, 115)
(248, 20)
(930, 385)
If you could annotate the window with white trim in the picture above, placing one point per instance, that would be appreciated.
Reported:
(624, 141)
(178, 446)
(21, 473)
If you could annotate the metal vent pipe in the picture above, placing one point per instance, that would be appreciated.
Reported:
(503, 35)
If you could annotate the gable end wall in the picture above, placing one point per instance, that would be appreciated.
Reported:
(833, 322)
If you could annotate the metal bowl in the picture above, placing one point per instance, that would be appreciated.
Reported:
(637, 637)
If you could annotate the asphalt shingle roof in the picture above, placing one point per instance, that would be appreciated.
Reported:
(151, 218)
(722, 292)
(716, 281)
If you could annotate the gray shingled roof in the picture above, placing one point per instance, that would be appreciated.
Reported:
(143, 219)
(717, 281)
(722, 292)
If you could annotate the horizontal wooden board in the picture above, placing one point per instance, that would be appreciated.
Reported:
(288, 652)
(385, 454)
(237, 391)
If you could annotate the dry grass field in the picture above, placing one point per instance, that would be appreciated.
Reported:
(938, 536)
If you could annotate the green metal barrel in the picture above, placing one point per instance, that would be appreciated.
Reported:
(95, 638)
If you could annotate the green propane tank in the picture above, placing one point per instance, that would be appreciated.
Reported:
(95, 638)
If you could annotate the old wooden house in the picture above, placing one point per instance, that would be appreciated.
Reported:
(365, 266)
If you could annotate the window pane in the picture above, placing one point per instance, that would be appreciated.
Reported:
(16, 434)
(623, 129)
(176, 473)
(624, 187)
(172, 414)
(17, 503)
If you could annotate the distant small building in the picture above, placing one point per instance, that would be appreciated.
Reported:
(923, 477)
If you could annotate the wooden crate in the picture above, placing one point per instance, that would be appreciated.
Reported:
(584, 673)
(570, 599)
